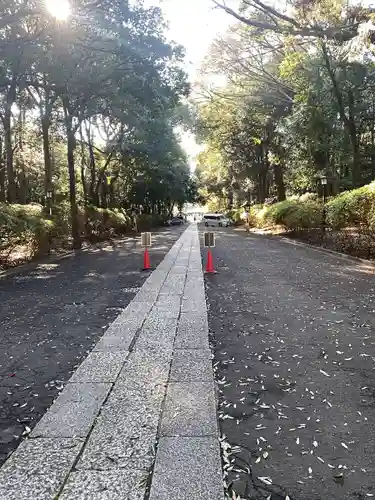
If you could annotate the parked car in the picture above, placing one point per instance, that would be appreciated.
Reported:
(216, 220)
(175, 221)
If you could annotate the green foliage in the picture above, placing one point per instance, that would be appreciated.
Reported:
(102, 223)
(293, 108)
(100, 94)
(353, 208)
(235, 216)
(307, 215)
(293, 215)
(24, 225)
(278, 213)
(147, 221)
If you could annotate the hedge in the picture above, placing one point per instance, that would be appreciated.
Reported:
(147, 221)
(353, 208)
(294, 215)
(25, 225)
(102, 223)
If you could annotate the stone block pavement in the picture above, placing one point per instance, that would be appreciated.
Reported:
(138, 417)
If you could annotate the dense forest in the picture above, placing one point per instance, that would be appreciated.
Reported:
(89, 105)
(288, 100)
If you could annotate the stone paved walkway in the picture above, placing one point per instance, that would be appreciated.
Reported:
(147, 388)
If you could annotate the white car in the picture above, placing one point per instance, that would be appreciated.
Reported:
(215, 220)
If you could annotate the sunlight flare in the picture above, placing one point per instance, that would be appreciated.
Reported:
(60, 9)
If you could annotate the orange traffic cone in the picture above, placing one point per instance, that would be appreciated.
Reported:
(210, 265)
(146, 261)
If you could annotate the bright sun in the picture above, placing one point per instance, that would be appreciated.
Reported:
(60, 9)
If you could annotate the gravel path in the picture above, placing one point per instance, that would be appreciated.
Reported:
(52, 316)
(293, 334)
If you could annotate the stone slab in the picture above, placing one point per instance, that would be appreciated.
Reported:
(125, 431)
(100, 367)
(189, 410)
(145, 369)
(192, 331)
(125, 327)
(179, 269)
(167, 304)
(167, 310)
(137, 307)
(158, 320)
(38, 468)
(147, 295)
(74, 411)
(158, 335)
(194, 321)
(114, 343)
(128, 484)
(191, 339)
(197, 304)
(191, 365)
(187, 469)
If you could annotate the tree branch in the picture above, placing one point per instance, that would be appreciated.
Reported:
(340, 33)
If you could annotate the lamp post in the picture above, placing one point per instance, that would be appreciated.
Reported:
(324, 182)
(49, 195)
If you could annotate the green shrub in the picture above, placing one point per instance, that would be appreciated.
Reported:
(256, 214)
(352, 208)
(148, 221)
(25, 225)
(276, 214)
(235, 215)
(103, 222)
(307, 215)
(291, 214)
(62, 222)
(308, 197)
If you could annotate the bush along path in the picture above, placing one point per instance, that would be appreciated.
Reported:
(26, 232)
(294, 358)
(346, 223)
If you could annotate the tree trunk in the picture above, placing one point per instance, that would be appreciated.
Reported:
(72, 179)
(48, 187)
(11, 182)
(2, 173)
(22, 190)
(279, 181)
(230, 198)
(83, 177)
(91, 190)
(103, 194)
(72, 190)
(348, 121)
(20, 162)
(352, 128)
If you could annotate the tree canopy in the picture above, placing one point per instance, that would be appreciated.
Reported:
(89, 107)
(297, 104)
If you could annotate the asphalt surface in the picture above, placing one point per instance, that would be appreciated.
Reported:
(293, 336)
(52, 316)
